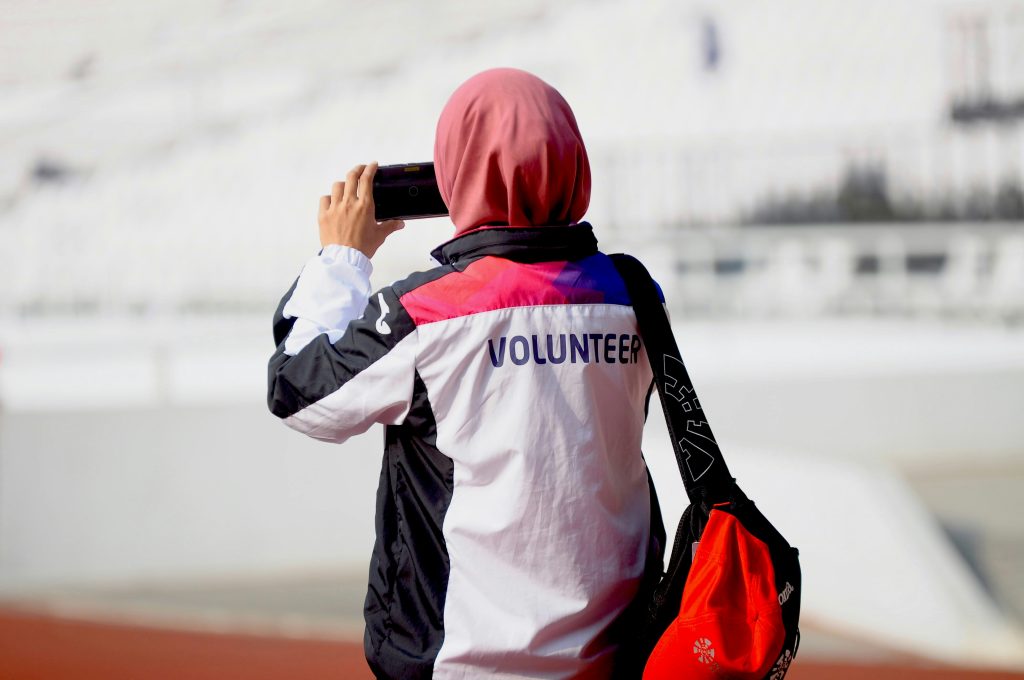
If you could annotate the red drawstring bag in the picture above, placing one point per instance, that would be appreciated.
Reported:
(730, 621)
(728, 606)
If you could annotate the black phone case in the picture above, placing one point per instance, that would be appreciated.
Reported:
(407, 192)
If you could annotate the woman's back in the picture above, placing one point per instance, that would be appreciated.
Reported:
(533, 385)
(513, 516)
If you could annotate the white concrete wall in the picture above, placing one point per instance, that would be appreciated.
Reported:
(176, 493)
(159, 459)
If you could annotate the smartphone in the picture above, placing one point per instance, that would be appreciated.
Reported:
(407, 192)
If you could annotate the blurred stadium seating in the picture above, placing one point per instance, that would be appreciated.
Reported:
(169, 163)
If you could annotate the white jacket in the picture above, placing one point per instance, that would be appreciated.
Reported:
(514, 508)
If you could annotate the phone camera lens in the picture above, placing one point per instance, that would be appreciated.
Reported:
(414, 191)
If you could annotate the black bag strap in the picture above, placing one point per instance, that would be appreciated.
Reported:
(705, 475)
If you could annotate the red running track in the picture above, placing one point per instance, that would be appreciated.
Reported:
(37, 647)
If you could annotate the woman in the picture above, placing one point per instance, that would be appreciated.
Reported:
(514, 508)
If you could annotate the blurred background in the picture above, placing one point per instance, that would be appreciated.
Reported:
(831, 194)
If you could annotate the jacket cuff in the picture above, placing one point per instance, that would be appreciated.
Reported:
(334, 252)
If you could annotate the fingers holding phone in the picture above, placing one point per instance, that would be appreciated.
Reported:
(346, 215)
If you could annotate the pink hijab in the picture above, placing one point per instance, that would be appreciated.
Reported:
(508, 152)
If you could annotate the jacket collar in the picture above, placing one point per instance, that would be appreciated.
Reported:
(521, 244)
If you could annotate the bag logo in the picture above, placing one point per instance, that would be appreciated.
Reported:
(786, 592)
(704, 650)
(382, 326)
(782, 665)
(697, 445)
